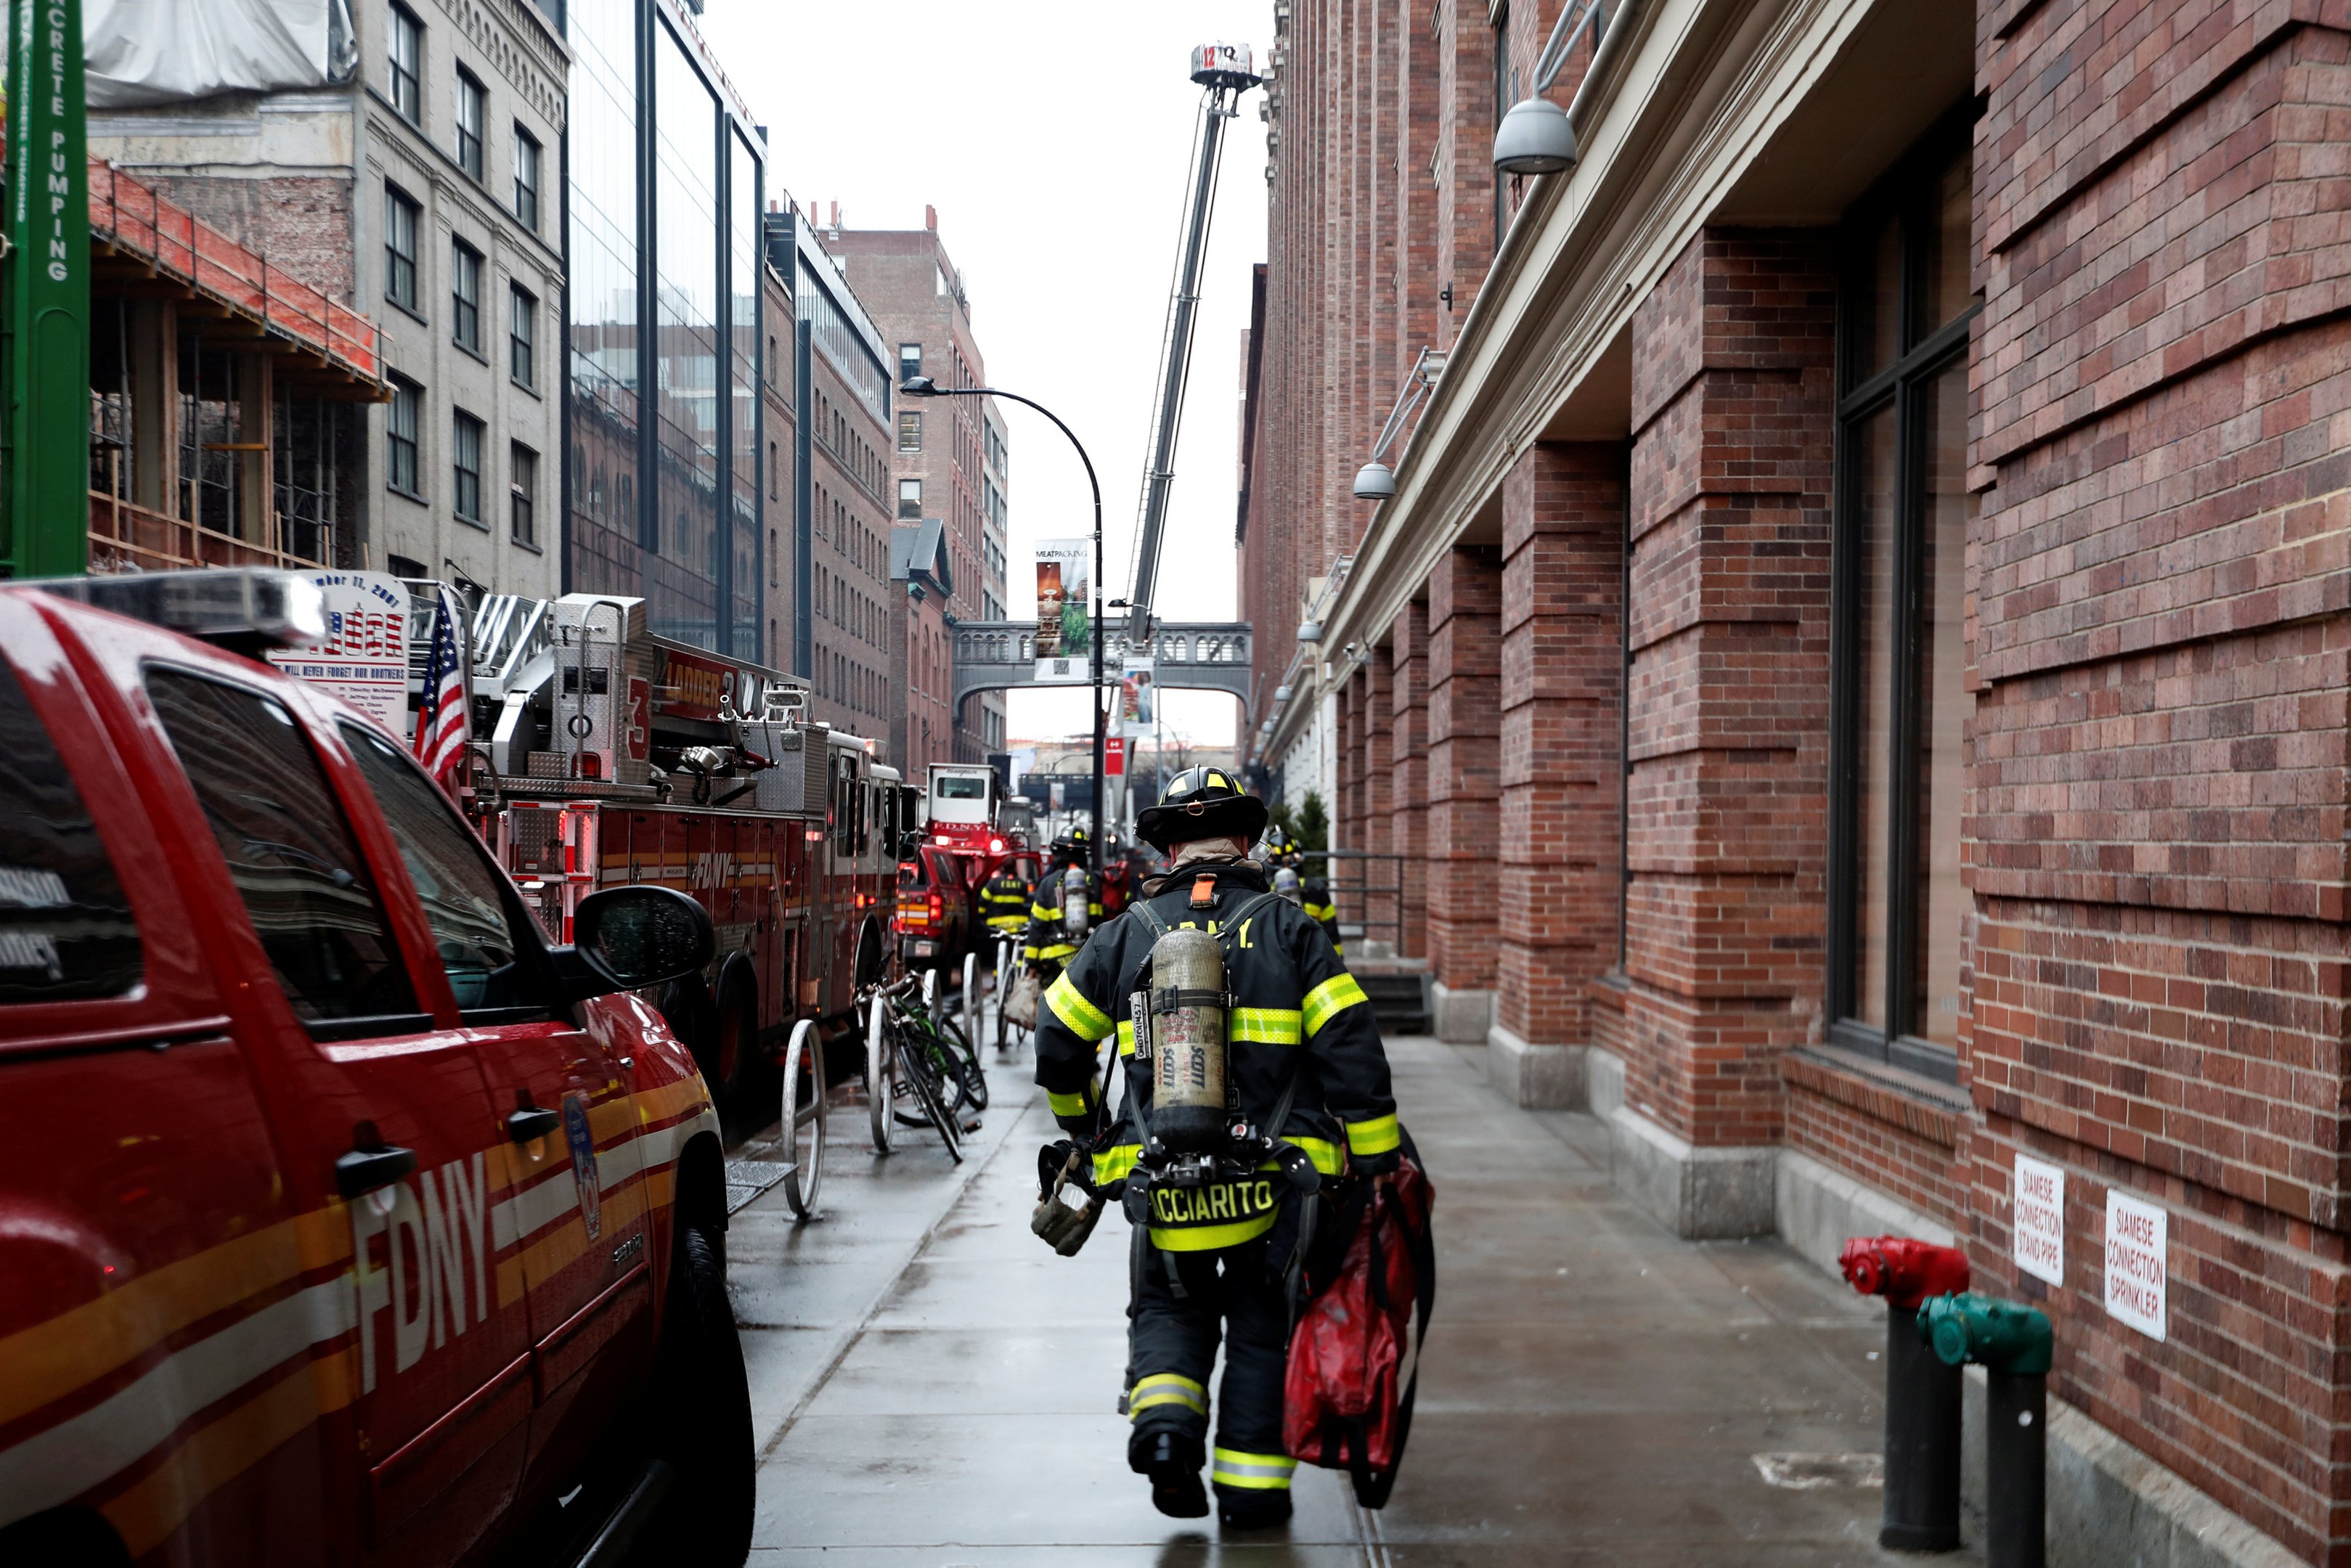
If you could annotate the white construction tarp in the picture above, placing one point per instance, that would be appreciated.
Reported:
(164, 51)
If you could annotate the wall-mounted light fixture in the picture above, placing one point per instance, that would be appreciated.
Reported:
(1535, 137)
(1375, 481)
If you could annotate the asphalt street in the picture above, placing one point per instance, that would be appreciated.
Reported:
(932, 1386)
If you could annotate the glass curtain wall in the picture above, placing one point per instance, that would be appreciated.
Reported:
(743, 371)
(602, 298)
(664, 495)
(683, 574)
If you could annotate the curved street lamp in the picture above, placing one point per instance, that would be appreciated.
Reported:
(923, 386)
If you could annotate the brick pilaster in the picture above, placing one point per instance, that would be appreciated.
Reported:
(1733, 410)
(1465, 730)
(1562, 663)
(1409, 770)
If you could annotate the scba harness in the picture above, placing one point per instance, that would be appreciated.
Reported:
(1206, 1177)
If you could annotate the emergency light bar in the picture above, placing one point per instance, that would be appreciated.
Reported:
(248, 609)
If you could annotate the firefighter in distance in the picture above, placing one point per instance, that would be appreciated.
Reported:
(1004, 901)
(1218, 1183)
(1053, 938)
(1312, 893)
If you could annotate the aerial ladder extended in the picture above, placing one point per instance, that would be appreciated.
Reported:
(1226, 71)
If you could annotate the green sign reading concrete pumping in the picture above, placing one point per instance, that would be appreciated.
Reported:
(44, 297)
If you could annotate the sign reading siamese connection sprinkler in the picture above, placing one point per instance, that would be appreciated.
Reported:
(364, 658)
(2137, 1271)
(1064, 634)
(2039, 1226)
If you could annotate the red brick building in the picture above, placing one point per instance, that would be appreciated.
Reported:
(1853, 664)
(947, 455)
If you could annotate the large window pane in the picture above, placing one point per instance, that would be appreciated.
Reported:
(1877, 514)
(1942, 652)
(66, 930)
(475, 924)
(1940, 290)
(310, 893)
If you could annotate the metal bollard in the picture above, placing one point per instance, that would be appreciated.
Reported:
(2015, 1345)
(1922, 1394)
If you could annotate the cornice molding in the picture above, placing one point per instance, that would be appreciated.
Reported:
(1695, 98)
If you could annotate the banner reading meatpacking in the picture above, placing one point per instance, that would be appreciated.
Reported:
(1064, 635)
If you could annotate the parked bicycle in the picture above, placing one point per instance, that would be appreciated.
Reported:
(920, 1071)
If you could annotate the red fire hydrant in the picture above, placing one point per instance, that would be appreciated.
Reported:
(1922, 1395)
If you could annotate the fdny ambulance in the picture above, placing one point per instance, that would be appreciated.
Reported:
(345, 1218)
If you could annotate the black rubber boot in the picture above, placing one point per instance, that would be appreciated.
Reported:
(1239, 1510)
(1173, 1461)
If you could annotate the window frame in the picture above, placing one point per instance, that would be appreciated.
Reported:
(916, 515)
(402, 210)
(472, 94)
(467, 265)
(910, 422)
(522, 495)
(527, 151)
(406, 83)
(522, 346)
(461, 425)
(412, 394)
(1904, 387)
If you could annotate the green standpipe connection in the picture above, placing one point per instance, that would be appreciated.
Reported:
(2014, 1345)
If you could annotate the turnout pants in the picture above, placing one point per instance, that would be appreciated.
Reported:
(1172, 1348)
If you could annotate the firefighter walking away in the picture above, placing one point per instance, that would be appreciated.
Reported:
(1312, 893)
(1257, 1092)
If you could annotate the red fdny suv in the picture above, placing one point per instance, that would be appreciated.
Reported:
(343, 1217)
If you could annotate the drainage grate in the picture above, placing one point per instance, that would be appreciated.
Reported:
(759, 1168)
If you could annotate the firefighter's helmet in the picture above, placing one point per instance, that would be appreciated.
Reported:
(1281, 849)
(1201, 803)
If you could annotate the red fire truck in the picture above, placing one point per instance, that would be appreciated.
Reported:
(613, 756)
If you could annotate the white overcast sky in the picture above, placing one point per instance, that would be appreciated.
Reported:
(1054, 138)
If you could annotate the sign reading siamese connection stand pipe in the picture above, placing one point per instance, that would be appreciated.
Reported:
(44, 297)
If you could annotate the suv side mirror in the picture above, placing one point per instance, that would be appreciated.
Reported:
(641, 936)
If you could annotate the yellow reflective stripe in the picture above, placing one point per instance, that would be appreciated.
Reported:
(1256, 1472)
(1116, 1163)
(1127, 1036)
(1087, 1022)
(1165, 1388)
(1266, 1026)
(1076, 1104)
(1377, 1136)
(1209, 1237)
(1330, 999)
(1046, 911)
(1323, 911)
(1322, 1151)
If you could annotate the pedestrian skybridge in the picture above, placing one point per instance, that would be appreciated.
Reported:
(1198, 655)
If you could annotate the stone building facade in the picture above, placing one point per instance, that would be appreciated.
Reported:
(1853, 664)
(947, 455)
(428, 196)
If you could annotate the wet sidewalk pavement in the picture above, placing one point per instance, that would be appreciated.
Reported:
(932, 1386)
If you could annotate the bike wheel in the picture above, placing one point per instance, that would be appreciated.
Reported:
(802, 1122)
(1005, 975)
(927, 1095)
(880, 1064)
(971, 996)
(967, 1066)
(929, 1056)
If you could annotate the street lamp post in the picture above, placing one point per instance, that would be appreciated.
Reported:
(923, 386)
